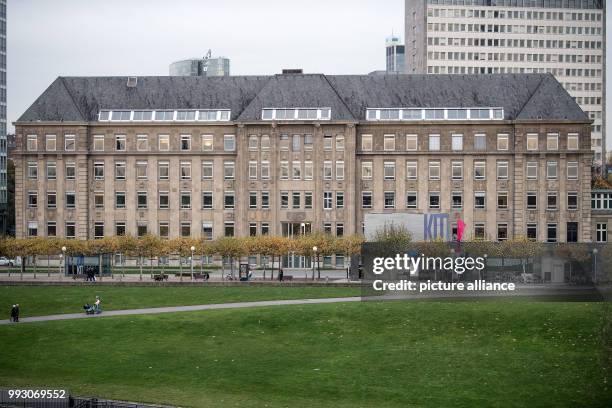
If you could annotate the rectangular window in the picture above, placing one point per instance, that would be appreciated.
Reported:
(70, 230)
(52, 199)
(366, 143)
(551, 170)
(51, 171)
(308, 200)
(532, 141)
(389, 170)
(602, 233)
(265, 170)
(142, 200)
(253, 200)
(98, 230)
(142, 143)
(434, 170)
(207, 143)
(164, 229)
(207, 231)
(411, 170)
(265, 229)
(32, 199)
(328, 142)
(572, 232)
(308, 142)
(120, 143)
(572, 141)
(457, 200)
(457, 142)
(502, 232)
(284, 199)
(284, 170)
(69, 143)
(480, 170)
(119, 200)
(33, 229)
(296, 200)
(51, 229)
(389, 200)
(572, 200)
(479, 231)
(252, 229)
(366, 170)
(366, 199)
(70, 200)
(411, 200)
(185, 142)
(552, 141)
(185, 169)
(98, 143)
(457, 170)
(532, 200)
(163, 170)
(32, 170)
(207, 170)
(480, 142)
(572, 170)
(502, 200)
(185, 200)
(532, 170)
(120, 170)
(252, 170)
(480, 201)
(434, 201)
(99, 200)
(502, 142)
(253, 142)
(32, 143)
(51, 143)
(164, 143)
(502, 170)
(229, 200)
(141, 229)
(434, 143)
(229, 170)
(229, 143)
(296, 170)
(265, 200)
(532, 232)
(340, 170)
(164, 200)
(141, 170)
(389, 143)
(296, 143)
(207, 200)
(412, 142)
(551, 235)
(328, 200)
(551, 201)
(327, 170)
(120, 229)
(339, 199)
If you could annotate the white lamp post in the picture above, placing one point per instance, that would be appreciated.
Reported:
(192, 251)
(316, 252)
(63, 258)
(595, 251)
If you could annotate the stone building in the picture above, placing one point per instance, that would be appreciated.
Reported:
(294, 153)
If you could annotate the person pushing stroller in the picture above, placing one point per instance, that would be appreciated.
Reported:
(96, 308)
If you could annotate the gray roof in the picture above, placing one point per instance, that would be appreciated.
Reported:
(523, 96)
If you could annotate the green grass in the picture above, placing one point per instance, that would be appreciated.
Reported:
(390, 354)
(45, 300)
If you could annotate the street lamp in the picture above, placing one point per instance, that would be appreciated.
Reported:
(63, 257)
(595, 251)
(314, 251)
(192, 251)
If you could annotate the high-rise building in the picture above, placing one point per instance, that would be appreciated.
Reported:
(207, 66)
(395, 54)
(3, 174)
(565, 38)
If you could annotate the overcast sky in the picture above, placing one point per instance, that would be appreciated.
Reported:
(47, 39)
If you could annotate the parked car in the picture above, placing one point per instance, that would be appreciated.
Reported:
(4, 261)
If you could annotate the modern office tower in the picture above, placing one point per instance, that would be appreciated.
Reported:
(3, 148)
(295, 153)
(565, 38)
(207, 66)
(396, 58)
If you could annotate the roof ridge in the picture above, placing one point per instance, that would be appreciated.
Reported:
(83, 117)
(535, 91)
(340, 97)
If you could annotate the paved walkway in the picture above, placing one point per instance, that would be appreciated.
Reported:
(160, 310)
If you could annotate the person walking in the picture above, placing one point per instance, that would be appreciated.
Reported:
(14, 313)
(98, 305)
(17, 313)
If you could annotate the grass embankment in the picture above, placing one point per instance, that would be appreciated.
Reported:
(390, 354)
(46, 300)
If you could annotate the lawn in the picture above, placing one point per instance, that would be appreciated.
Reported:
(45, 300)
(388, 354)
